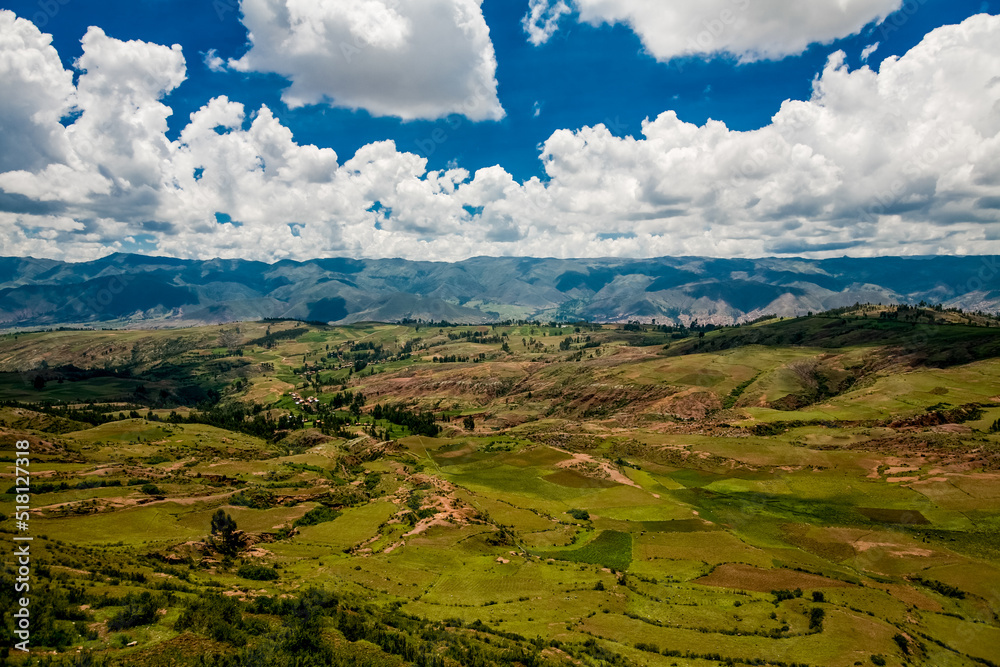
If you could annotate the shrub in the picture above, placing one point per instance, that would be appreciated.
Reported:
(258, 499)
(216, 616)
(257, 572)
(320, 514)
(139, 610)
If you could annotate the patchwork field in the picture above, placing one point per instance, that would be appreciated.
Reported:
(818, 491)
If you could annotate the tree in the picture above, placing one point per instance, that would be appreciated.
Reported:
(469, 423)
(39, 382)
(224, 526)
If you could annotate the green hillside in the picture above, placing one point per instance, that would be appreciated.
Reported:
(822, 490)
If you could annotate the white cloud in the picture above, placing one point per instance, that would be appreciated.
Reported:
(37, 92)
(407, 58)
(905, 160)
(542, 19)
(868, 51)
(747, 29)
(213, 62)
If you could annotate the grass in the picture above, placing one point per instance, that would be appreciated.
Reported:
(610, 549)
(720, 516)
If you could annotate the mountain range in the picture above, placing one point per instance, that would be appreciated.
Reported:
(144, 291)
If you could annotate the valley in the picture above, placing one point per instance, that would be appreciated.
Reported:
(820, 490)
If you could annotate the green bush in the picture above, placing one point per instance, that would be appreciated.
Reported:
(320, 514)
(139, 610)
(257, 572)
(257, 499)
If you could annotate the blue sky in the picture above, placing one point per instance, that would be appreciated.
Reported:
(615, 70)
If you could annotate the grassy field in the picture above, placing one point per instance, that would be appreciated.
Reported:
(821, 491)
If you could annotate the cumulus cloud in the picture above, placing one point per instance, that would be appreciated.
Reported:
(213, 62)
(902, 160)
(407, 58)
(542, 19)
(37, 93)
(747, 29)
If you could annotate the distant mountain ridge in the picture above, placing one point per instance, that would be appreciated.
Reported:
(138, 290)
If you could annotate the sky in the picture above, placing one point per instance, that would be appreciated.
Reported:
(447, 129)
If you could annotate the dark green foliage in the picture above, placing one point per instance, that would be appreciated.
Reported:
(942, 588)
(737, 391)
(579, 515)
(782, 594)
(53, 613)
(150, 489)
(419, 423)
(371, 481)
(816, 616)
(611, 549)
(254, 498)
(270, 338)
(224, 526)
(469, 423)
(87, 415)
(215, 616)
(139, 610)
(320, 514)
(257, 572)
(241, 418)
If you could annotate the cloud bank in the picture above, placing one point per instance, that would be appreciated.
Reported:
(747, 29)
(903, 160)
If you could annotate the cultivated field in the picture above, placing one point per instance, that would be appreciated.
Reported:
(819, 491)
